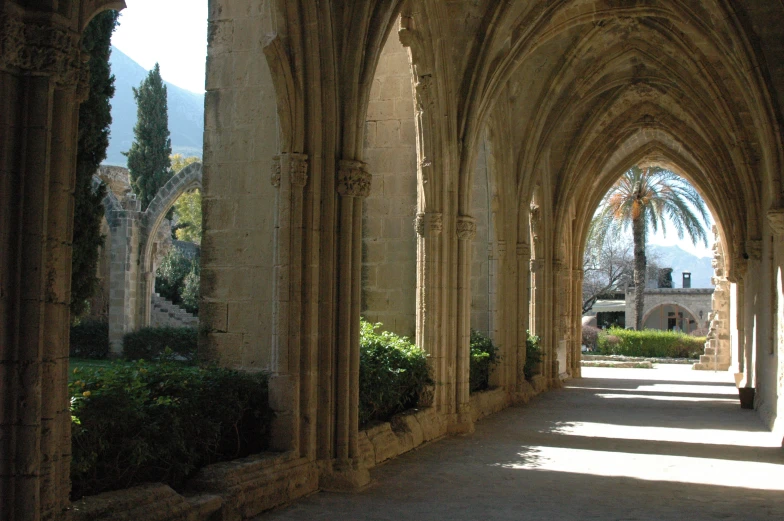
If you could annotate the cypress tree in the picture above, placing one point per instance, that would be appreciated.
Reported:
(148, 158)
(94, 120)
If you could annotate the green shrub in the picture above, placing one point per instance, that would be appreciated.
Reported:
(176, 277)
(140, 422)
(650, 343)
(393, 374)
(484, 356)
(533, 355)
(90, 339)
(150, 343)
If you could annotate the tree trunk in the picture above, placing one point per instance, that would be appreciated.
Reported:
(638, 231)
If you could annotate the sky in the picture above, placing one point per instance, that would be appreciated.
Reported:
(174, 34)
(170, 32)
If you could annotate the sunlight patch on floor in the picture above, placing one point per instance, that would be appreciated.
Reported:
(652, 467)
(669, 434)
(666, 398)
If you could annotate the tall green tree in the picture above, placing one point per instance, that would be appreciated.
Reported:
(646, 198)
(148, 159)
(94, 120)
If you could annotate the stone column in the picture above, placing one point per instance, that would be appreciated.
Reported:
(289, 176)
(466, 231)
(429, 306)
(577, 334)
(41, 86)
(353, 184)
(523, 303)
(123, 271)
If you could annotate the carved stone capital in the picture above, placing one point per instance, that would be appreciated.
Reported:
(537, 265)
(501, 246)
(41, 48)
(353, 179)
(298, 169)
(524, 250)
(466, 227)
(428, 222)
(776, 220)
(275, 171)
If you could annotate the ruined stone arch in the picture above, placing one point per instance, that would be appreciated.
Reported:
(187, 179)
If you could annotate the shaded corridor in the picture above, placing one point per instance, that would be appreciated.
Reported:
(621, 444)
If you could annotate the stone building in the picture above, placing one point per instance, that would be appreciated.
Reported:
(681, 309)
(470, 142)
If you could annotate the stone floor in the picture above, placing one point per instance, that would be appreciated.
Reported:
(620, 444)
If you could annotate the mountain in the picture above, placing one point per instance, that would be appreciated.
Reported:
(680, 260)
(186, 112)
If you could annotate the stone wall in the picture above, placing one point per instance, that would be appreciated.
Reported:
(240, 140)
(389, 236)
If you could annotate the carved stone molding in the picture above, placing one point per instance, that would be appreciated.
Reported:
(578, 274)
(353, 179)
(523, 250)
(298, 169)
(776, 220)
(41, 48)
(275, 171)
(466, 228)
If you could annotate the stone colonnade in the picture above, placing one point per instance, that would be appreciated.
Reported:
(569, 95)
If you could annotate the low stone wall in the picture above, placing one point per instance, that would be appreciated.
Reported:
(229, 491)
(243, 488)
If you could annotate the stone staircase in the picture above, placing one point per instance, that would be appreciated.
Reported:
(166, 313)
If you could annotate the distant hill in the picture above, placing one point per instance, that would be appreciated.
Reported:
(680, 260)
(186, 112)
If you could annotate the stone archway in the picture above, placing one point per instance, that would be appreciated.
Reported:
(133, 232)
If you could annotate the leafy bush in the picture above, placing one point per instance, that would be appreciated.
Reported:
(139, 422)
(393, 373)
(533, 355)
(150, 343)
(651, 343)
(171, 278)
(90, 339)
(484, 356)
(590, 336)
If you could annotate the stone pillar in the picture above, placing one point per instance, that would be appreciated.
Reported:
(289, 176)
(577, 334)
(124, 271)
(466, 231)
(523, 304)
(429, 306)
(41, 75)
(353, 184)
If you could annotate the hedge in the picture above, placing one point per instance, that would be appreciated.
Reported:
(484, 356)
(90, 339)
(140, 422)
(393, 374)
(650, 343)
(150, 343)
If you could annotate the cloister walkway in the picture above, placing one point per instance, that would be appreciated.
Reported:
(633, 444)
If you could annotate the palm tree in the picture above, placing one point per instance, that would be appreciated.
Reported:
(645, 198)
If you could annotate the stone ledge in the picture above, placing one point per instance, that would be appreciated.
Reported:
(404, 432)
(485, 403)
(228, 491)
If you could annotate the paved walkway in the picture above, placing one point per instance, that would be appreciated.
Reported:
(620, 444)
